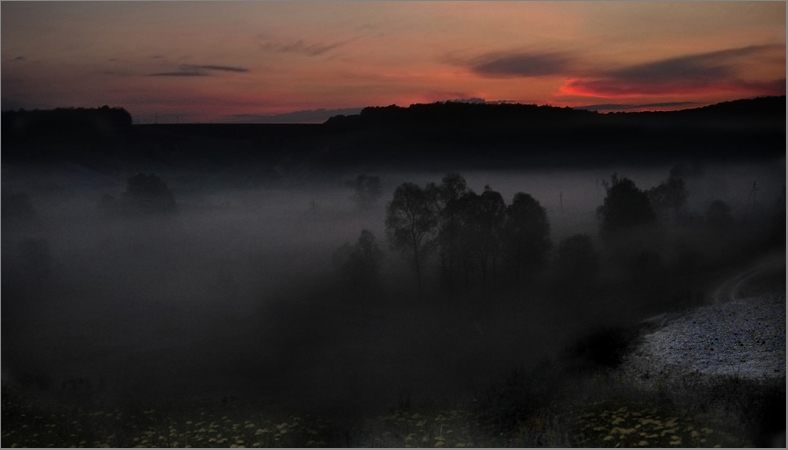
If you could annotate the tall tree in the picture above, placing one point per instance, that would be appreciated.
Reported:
(490, 222)
(411, 223)
(625, 208)
(450, 223)
(526, 234)
(669, 197)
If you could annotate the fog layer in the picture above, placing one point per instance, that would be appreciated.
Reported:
(236, 294)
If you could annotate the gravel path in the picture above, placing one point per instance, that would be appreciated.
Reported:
(741, 336)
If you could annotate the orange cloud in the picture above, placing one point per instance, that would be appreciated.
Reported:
(620, 88)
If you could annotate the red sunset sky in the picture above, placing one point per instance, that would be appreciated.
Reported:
(254, 61)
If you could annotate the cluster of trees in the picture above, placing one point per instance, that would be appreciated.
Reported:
(481, 242)
(478, 238)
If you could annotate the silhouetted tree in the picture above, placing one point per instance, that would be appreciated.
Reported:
(526, 234)
(366, 190)
(489, 221)
(669, 197)
(411, 222)
(147, 194)
(718, 215)
(360, 263)
(625, 208)
(450, 223)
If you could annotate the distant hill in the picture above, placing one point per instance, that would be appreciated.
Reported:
(502, 135)
(438, 136)
(69, 122)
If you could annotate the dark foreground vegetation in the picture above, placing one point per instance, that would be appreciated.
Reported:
(287, 291)
(549, 406)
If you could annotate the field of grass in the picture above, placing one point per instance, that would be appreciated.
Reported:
(577, 399)
(546, 407)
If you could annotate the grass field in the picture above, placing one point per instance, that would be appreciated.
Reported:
(552, 405)
(576, 399)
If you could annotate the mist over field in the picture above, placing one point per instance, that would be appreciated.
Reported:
(237, 294)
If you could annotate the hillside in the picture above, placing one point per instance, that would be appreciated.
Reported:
(438, 136)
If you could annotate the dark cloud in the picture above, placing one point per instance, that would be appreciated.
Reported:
(219, 68)
(612, 87)
(192, 70)
(686, 74)
(301, 47)
(179, 74)
(706, 66)
(711, 71)
(305, 116)
(522, 64)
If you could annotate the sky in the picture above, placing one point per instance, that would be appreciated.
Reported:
(305, 61)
